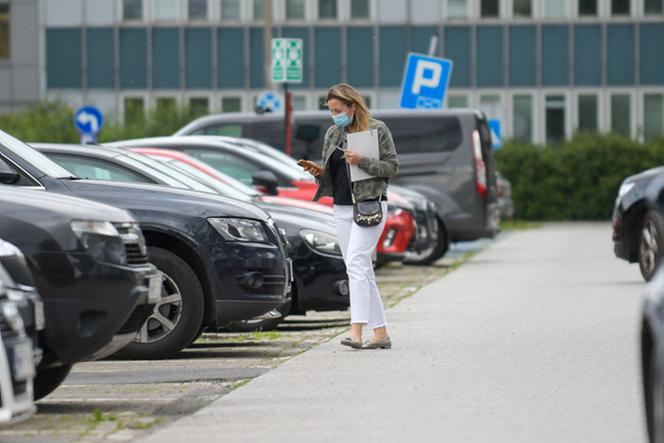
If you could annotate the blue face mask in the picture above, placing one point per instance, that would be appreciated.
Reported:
(342, 120)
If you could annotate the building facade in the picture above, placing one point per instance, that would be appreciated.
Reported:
(545, 68)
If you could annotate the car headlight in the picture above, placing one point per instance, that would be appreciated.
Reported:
(239, 229)
(624, 189)
(321, 241)
(101, 240)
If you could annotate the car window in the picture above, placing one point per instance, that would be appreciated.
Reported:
(227, 163)
(201, 176)
(30, 155)
(96, 169)
(422, 135)
(231, 130)
(166, 174)
(6, 166)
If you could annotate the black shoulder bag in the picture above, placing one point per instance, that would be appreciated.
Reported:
(366, 213)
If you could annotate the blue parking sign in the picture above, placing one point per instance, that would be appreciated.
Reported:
(496, 136)
(425, 82)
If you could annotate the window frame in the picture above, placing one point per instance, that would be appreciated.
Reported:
(633, 109)
(541, 112)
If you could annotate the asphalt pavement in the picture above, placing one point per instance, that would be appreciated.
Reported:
(534, 339)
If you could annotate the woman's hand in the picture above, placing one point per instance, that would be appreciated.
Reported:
(311, 167)
(352, 158)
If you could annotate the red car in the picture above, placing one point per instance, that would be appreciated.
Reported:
(276, 177)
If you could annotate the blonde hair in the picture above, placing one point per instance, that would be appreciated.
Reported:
(351, 96)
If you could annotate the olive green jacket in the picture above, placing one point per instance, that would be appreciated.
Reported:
(382, 168)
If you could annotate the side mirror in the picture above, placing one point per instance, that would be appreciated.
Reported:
(267, 181)
(9, 177)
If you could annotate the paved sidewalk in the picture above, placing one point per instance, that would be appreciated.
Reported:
(534, 339)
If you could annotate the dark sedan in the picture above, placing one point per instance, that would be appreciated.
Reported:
(319, 271)
(223, 260)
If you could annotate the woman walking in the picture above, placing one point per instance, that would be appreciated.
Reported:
(350, 114)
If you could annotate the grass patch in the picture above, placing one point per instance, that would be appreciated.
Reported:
(264, 335)
(98, 417)
(518, 225)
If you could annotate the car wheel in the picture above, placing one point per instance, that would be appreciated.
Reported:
(47, 379)
(655, 401)
(651, 243)
(177, 317)
(265, 324)
(440, 249)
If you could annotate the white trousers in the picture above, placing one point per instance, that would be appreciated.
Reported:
(357, 245)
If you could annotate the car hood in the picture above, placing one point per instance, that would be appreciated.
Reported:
(293, 219)
(140, 198)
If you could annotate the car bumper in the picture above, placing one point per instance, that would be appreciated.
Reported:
(87, 303)
(321, 281)
(397, 234)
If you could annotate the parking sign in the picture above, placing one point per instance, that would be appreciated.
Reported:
(425, 82)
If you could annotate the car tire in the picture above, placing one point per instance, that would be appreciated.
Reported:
(654, 398)
(650, 243)
(267, 324)
(176, 319)
(48, 379)
(442, 246)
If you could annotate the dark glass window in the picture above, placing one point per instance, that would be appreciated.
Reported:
(295, 9)
(587, 112)
(227, 163)
(4, 31)
(523, 8)
(522, 56)
(489, 56)
(392, 55)
(63, 58)
(328, 48)
(620, 7)
(198, 9)
(97, 169)
(555, 119)
(132, 9)
(587, 7)
(199, 106)
(621, 59)
(256, 58)
(653, 107)
(101, 48)
(133, 55)
(588, 55)
(231, 104)
(654, 7)
(359, 9)
(523, 118)
(652, 62)
(457, 47)
(555, 55)
(259, 9)
(327, 9)
(134, 110)
(198, 58)
(165, 58)
(360, 50)
(621, 114)
(165, 105)
(230, 47)
(421, 135)
(489, 8)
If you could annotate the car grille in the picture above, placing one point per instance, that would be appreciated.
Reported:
(134, 243)
(136, 319)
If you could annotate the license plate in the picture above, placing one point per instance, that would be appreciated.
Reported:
(154, 293)
(40, 320)
(20, 358)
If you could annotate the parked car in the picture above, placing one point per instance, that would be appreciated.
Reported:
(445, 155)
(17, 365)
(222, 260)
(89, 264)
(652, 324)
(278, 178)
(638, 229)
(319, 271)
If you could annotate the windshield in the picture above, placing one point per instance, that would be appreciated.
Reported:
(266, 149)
(225, 189)
(170, 174)
(35, 158)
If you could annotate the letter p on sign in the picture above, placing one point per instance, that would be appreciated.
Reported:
(427, 74)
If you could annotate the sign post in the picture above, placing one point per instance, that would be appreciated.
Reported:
(88, 121)
(287, 55)
(425, 82)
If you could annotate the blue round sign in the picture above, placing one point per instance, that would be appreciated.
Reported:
(269, 101)
(88, 120)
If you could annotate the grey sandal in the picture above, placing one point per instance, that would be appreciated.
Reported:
(348, 341)
(383, 344)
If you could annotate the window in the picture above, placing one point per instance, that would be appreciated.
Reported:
(523, 8)
(587, 7)
(654, 6)
(620, 114)
(198, 106)
(522, 120)
(327, 9)
(299, 103)
(230, 130)
(230, 10)
(555, 119)
(491, 106)
(294, 9)
(654, 116)
(134, 110)
(4, 31)
(359, 9)
(132, 9)
(165, 9)
(97, 169)
(620, 7)
(198, 9)
(457, 101)
(587, 112)
(489, 8)
(226, 163)
(554, 8)
(231, 104)
(457, 8)
(165, 105)
(420, 135)
(259, 9)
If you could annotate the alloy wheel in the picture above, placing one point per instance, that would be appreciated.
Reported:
(648, 247)
(166, 315)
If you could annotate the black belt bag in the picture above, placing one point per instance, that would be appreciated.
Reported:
(366, 213)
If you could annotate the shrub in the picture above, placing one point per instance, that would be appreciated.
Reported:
(576, 180)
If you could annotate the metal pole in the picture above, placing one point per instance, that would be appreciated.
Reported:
(267, 43)
(287, 121)
(433, 44)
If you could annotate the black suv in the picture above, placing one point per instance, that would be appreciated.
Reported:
(222, 260)
(90, 266)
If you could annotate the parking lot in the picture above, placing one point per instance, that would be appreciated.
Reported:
(120, 400)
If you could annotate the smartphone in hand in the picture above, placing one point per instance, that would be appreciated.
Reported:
(310, 167)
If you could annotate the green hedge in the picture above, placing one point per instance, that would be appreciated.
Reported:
(576, 180)
(54, 122)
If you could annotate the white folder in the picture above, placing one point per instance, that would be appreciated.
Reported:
(364, 143)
